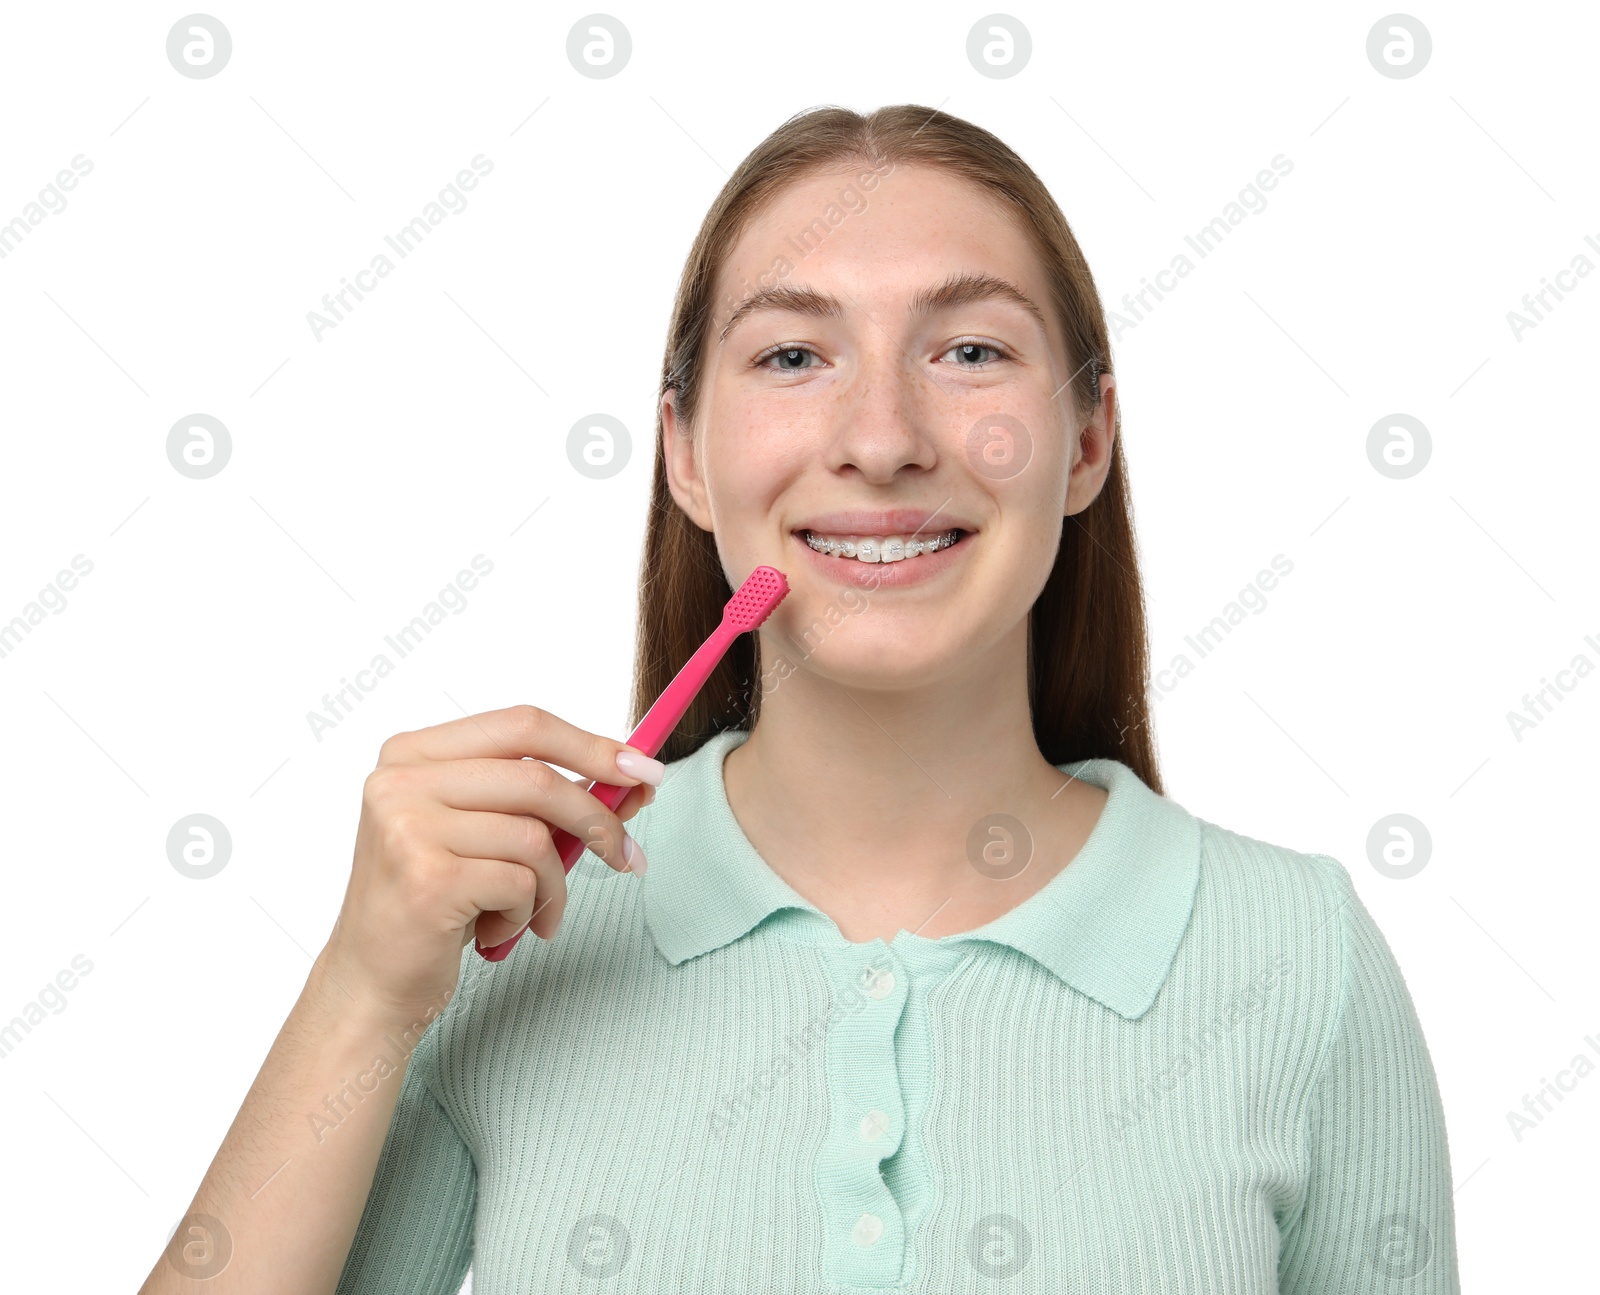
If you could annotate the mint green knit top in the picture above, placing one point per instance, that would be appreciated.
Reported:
(1188, 1064)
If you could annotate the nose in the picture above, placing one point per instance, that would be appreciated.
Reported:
(885, 417)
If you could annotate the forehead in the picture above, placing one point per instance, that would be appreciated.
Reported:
(879, 244)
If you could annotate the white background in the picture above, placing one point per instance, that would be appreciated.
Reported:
(369, 466)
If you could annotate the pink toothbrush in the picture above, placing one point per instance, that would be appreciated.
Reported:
(765, 588)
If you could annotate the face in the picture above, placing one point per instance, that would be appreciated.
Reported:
(856, 393)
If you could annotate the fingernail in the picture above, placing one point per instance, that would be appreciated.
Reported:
(633, 852)
(642, 767)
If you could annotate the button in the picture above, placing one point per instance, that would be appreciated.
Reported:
(869, 1227)
(878, 982)
(874, 1124)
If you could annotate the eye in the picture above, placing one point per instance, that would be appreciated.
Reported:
(784, 353)
(969, 345)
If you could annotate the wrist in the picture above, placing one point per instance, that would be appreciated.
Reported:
(344, 996)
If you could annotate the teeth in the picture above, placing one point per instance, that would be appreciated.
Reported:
(880, 548)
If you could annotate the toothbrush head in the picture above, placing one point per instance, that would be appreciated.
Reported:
(762, 590)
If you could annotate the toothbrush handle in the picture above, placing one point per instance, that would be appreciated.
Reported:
(649, 737)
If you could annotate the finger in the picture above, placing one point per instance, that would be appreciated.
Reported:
(508, 895)
(528, 788)
(515, 838)
(510, 734)
(636, 799)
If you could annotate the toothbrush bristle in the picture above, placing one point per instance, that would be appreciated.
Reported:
(763, 590)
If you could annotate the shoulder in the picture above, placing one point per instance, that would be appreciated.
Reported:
(1270, 913)
(1268, 894)
(1243, 874)
(1259, 903)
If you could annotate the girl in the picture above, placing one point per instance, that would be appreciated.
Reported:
(920, 982)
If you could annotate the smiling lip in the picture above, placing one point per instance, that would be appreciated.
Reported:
(890, 521)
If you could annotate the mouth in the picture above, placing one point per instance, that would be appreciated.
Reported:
(887, 562)
(887, 548)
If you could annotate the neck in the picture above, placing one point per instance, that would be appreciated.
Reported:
(866, 801)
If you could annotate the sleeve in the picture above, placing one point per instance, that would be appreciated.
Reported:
(1378, 1212)
(416, 1231)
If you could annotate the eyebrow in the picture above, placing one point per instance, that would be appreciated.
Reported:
(958, 290)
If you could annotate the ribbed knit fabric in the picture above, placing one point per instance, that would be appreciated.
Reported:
(1189, 1064)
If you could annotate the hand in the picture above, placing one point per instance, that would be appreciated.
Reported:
(454, 843)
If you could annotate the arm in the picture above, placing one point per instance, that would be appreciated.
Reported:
(284, 1193)
(455, 839)
(1378, 1212)
(416, 1231)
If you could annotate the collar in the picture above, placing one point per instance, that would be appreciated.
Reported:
(1109, 924)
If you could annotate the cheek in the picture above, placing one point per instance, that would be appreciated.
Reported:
(746, 473)
(1013, 447)
(758, 456)
(1031, 485)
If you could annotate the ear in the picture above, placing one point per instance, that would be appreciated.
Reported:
(1093, 451)
(683, 471)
